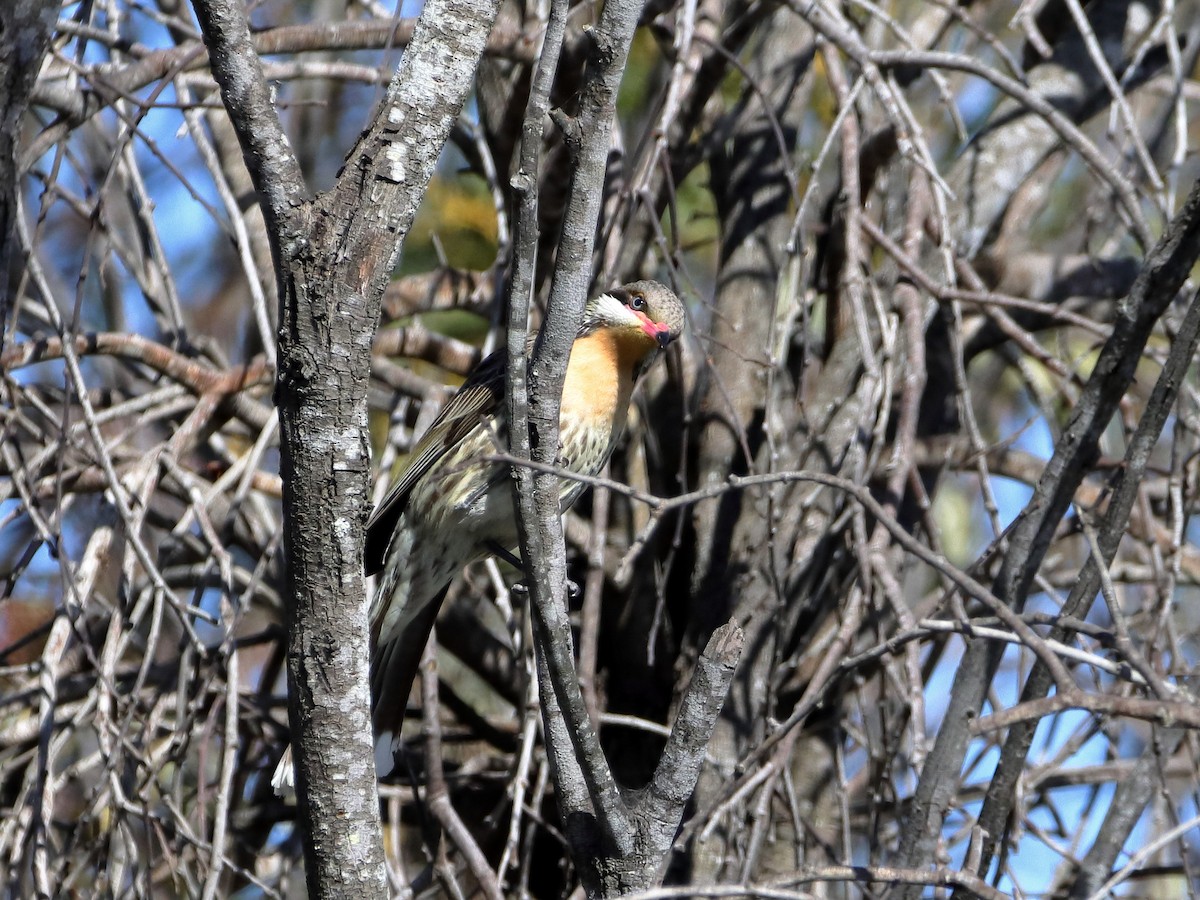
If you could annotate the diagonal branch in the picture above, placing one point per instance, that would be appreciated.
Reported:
(575, 805)
(1163, 274)
(1000, 797)
(334, 255)
(238, 71)
(541, 529)
(678, 769)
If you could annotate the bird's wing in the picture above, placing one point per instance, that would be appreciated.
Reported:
(481, 395)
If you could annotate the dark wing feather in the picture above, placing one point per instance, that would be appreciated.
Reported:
(481, 395)
(394, 668)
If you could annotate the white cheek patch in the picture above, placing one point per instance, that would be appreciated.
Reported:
(613, 310)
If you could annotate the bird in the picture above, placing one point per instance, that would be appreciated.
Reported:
(453, 504)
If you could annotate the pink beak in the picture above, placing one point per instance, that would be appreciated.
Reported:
(660, 331)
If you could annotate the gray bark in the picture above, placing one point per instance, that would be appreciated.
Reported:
(25, 30)
(333, 257)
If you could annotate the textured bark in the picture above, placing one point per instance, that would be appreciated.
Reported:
(334, 256)
(618, 842)
(25, 30)
(596, 819)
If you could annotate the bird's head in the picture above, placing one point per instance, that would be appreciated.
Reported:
(645, 310)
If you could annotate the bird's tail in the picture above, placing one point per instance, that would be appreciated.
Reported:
(284, 780)
(394, 666)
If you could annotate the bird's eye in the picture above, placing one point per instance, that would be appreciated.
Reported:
(637, 302)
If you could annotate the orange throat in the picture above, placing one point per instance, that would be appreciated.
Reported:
(600, 376)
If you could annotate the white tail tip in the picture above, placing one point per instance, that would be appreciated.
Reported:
(284, 779)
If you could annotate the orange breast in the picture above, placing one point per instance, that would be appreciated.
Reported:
(600, 377)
